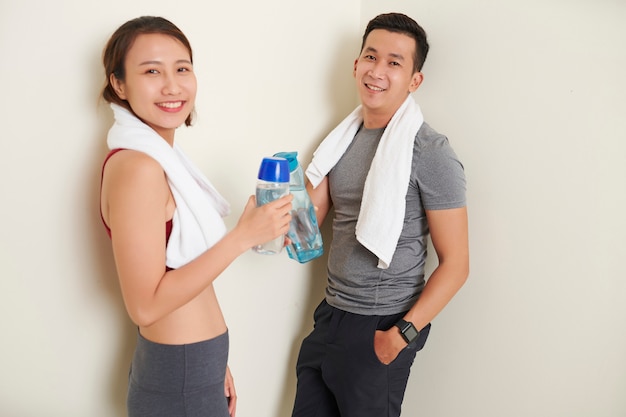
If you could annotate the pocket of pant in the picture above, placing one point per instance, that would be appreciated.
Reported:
(409, 350)
(372, 349)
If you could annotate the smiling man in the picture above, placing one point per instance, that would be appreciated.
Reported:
(392, 180)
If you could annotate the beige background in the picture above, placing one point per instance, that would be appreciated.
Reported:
(532, 97)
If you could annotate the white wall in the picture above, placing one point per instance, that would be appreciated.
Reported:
(531, 98)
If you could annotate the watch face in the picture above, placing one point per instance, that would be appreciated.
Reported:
(410, 333)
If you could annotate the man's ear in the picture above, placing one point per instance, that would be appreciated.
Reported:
(118, 87)
(417, 79)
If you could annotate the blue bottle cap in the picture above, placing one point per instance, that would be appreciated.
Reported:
(292, 157)
(274, 169)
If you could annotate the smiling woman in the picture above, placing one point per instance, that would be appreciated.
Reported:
(165, 222)
(160, 83)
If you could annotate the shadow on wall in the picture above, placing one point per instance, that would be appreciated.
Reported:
(315, 294)
(105, 274)
(341, 105)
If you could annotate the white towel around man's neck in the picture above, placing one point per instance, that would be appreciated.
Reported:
(383, 205)
(197, 223)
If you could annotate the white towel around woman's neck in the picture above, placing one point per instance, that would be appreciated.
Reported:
(383, 205)
(197, 223)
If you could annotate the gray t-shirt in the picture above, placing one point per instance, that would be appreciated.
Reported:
(355, 283)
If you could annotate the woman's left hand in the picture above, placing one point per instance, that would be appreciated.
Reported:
(229, 391)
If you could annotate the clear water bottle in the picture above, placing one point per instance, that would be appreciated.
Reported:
(306, 239)
(273, 183)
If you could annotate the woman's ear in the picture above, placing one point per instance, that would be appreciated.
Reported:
(118, 87)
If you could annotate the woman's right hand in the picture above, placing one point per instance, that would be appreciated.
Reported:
(262, 224)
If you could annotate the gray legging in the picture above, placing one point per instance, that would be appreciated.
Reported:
(178, 380)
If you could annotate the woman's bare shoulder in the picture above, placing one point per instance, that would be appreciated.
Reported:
(129, 175)
(129, 161)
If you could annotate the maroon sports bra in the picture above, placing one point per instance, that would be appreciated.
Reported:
(168, 224)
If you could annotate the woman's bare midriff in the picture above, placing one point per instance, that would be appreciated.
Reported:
(198, 320)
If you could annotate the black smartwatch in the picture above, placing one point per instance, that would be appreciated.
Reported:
(407, 330)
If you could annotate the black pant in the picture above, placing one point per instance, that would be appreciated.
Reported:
(339, 374)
